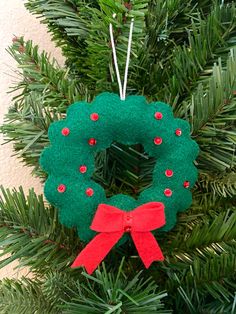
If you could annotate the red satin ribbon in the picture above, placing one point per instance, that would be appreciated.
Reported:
(112, 222)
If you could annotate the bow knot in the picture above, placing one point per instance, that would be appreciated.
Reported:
(113, 222)
(128, 221)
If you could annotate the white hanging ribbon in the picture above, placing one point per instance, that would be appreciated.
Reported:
(122, 90)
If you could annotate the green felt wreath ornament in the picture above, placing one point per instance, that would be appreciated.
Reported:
(92, 127)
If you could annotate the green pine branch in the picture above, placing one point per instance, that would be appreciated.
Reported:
(199, 53)
(42, 74)
(63, 20)
(31, 232)
(104, 292)
(27, 127)
(171, 36)
(204, 287)
(205, 235)
(81, 28)
(199, 270)
(213, 111)
(218, 186)
(23, 296)
(43, 93)
(116, 293)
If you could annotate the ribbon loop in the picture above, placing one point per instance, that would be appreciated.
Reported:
(149, 216)
(112, 222)
(107, 219)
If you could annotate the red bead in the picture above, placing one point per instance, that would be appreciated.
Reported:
(158, 115)
(83, 169)
(65, 131)
(169, 173)
(127, 229)
(94, 116)
(61, 188)
(92, 141)
(168, 192)
(157, 140)
(186, 184)
(178, 132)
(89, 192)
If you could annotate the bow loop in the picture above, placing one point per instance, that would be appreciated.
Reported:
(148, 217)
(107, 219)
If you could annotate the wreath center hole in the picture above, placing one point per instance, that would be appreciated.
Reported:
(124, 169)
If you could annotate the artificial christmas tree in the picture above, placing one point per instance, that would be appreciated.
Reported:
(183, 53)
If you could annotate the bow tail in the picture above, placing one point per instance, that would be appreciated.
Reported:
(97, 249)
(147, 247)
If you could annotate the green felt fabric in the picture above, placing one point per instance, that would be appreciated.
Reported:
(129, 122)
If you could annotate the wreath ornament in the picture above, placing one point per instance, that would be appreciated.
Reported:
(90, 128)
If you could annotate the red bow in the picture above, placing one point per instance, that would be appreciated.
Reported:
(112, 223)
